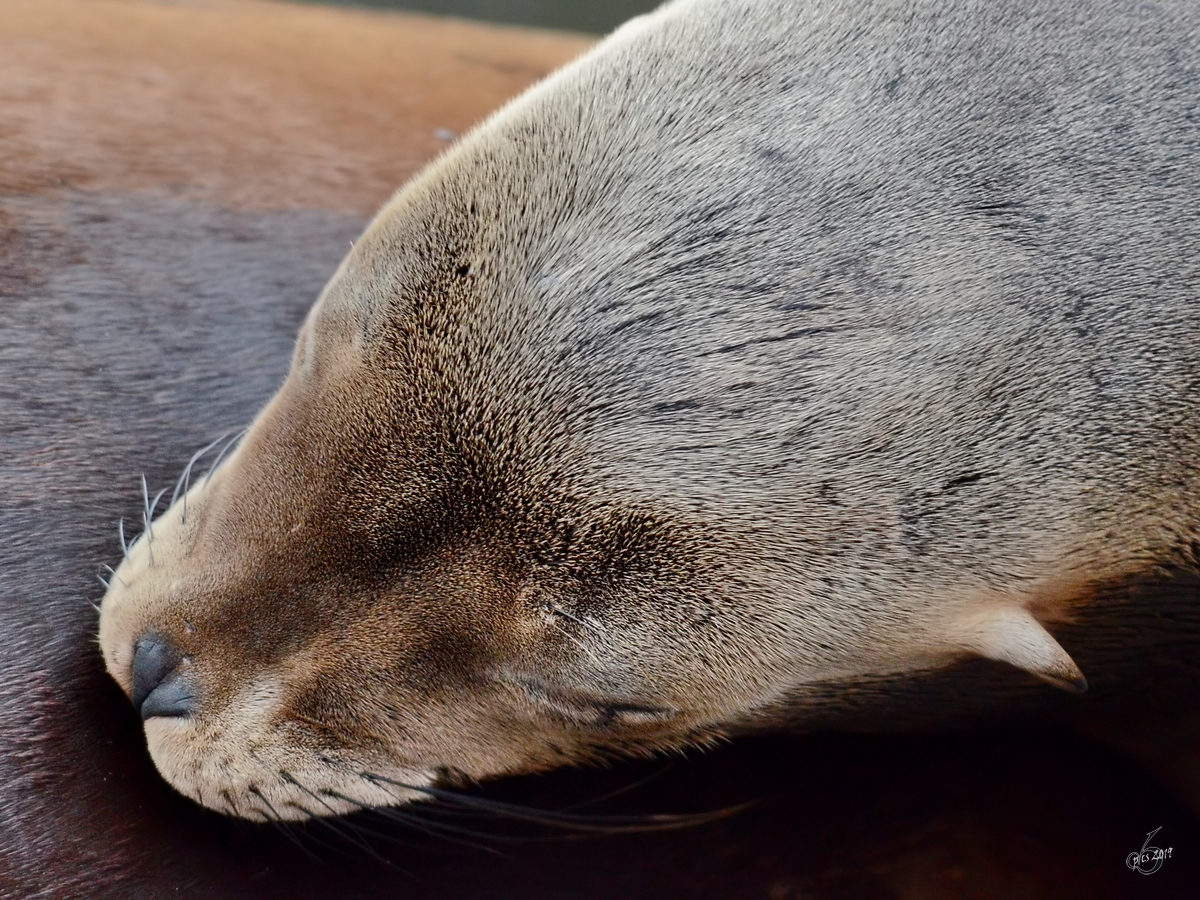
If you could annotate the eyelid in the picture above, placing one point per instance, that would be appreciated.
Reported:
(590, 711)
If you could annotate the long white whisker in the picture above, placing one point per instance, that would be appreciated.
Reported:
(146, 511)
(574, 640)
(558, 610)
(148, 530)
(184, 479)
(220, 456)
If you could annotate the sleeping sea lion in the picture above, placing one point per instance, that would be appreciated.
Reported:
(770, 350)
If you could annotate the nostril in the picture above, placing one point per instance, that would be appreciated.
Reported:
(158, 689)
(172, 697)
(153, 660)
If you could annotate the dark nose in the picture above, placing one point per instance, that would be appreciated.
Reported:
(159, 688)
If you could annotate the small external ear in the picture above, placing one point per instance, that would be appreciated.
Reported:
(1011, 634)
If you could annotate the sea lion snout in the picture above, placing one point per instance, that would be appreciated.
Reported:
(288, 640)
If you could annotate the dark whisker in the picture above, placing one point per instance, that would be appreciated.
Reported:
(287, 776)
(290, 779)
(228, 798)
(599, 824)
(346, 832)
(632, 786)
(277, 821)
(312, 817)
(455, 834)
(357, 827)
(440, 830)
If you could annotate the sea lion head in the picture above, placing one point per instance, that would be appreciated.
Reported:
(563, 468)
(406, 573)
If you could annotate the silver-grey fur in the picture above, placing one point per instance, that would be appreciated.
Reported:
(855, 337)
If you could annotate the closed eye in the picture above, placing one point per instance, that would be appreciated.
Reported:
(588, 710)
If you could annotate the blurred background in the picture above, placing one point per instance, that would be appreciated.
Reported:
(572, 15)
